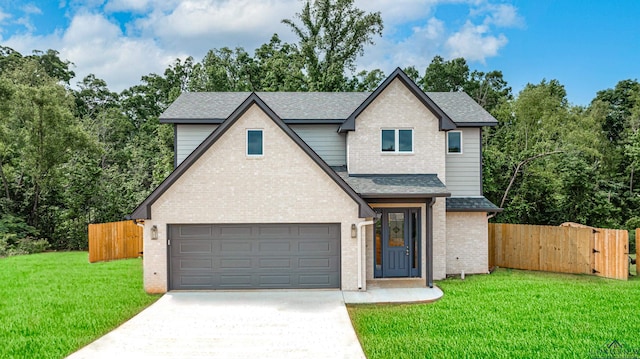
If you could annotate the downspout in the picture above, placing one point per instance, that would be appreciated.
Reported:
(429, 248)
(361, 237)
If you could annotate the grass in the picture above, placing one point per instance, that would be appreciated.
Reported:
(52, 304)
(508, 314)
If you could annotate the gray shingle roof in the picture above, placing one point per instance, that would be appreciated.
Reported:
(396, 185)
(333, 107)
(217, 106)
(471, 204)
(462, 109)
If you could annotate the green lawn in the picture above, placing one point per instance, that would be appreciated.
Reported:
(52, 304)
(508, 314)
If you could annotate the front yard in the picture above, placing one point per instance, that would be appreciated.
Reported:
(51, 304)
(508, 314)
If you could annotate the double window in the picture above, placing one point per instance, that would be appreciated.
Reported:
(397, 140)
(454, 142)
(254, 143)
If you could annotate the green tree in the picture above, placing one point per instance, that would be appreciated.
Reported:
(331, 35)
(487, 89)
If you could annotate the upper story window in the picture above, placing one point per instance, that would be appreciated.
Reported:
(454, 142)
(254, 143)
(397, 140)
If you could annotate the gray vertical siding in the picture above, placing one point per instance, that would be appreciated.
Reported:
(188, 137)
(323, 139)
(463, 176)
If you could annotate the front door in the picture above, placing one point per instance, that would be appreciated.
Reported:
(397, 242)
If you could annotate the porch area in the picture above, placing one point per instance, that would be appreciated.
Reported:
(394, 290)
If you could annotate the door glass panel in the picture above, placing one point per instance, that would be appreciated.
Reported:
(414, 238)
(396, 229)
(378, 236)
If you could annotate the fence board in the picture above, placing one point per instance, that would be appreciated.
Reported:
(568, 249)
(114, 240)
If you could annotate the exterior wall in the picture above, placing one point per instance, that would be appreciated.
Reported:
(439, 238)
(467, 242)
(396, 107)
(325, 140)
(463, 170)
(226, 186)
(188, 137)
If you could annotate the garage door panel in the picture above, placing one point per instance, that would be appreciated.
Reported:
(316, 280)
(317, 231)
(314, 263)
(255, 256)
(233, 231)
(203, 231)
(204, 264)
(197, 281)
(235, 263)
(274, 263)
(235, 281)
(242, 246)
(266, 247)
(195, 247)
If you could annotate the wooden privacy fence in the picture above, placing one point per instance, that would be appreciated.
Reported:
(601, 252)
(114, 240)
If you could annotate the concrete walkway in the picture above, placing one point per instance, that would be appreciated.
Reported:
(383, 295)
(244, 324)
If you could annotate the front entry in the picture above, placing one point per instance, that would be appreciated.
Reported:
(397, 243)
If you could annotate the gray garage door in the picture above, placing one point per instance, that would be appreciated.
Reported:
(254, 256)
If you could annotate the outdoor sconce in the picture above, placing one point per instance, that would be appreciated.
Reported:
(354, 232)
(154, 232)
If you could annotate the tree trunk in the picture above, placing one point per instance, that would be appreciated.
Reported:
(4, 182)
(515, 174)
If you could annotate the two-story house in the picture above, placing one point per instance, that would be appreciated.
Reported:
(318, 190)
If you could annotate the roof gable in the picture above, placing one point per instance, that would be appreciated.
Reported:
(143, 211)
(444, 121)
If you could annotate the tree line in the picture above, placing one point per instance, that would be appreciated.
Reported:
(70, 156)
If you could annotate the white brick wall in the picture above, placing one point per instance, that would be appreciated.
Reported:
(467, 242)
(396, 107)
(225, 186)
(440, 246)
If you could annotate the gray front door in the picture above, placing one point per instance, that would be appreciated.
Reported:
(397, 243)
(254, 256)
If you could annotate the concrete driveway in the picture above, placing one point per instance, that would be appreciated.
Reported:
(247, 324)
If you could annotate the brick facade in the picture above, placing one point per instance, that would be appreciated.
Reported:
(467, 242)
(396, 107)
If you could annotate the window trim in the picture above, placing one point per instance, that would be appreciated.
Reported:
(461, 143)
(396, 138)
(261, 154)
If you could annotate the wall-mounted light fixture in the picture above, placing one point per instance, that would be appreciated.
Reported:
(154, 232)
(354, 231)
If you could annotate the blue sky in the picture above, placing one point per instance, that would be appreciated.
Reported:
(587, 45)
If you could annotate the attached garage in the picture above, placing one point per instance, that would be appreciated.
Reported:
(253, 256)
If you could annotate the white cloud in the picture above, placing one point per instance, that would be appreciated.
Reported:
(474, 43)
(501, 15)
(163, 30)
(197, 26)
(31, 9)
(96, 45)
